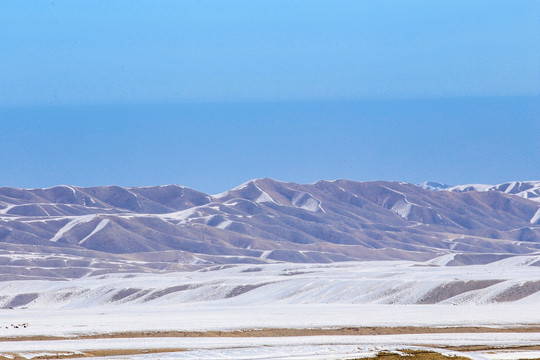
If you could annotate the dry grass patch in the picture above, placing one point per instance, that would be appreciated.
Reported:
(414, 355)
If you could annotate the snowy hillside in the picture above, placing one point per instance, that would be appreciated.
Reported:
(69, 232)
(388, 282)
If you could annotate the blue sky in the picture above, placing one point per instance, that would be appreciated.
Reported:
(213, 93)
(131, 51)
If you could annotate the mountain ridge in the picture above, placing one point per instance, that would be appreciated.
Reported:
(265, 220)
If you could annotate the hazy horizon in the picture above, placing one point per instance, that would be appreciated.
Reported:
(214, 147)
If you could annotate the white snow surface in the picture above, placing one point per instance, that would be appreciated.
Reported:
(198, 317)
(525, 189)
(224, 224)
(7, 208)
(383, 293)
(76, 220)
(376, 282)
(509, 354)
(284, 295)
(300, 347)
(99, 227)
(263, 197)
(471, 187)
(536, 217)
(402, 208)
(306, 201)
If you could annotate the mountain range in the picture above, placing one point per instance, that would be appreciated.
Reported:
(69, 232)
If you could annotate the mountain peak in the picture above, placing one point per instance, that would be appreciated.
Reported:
(434, 186)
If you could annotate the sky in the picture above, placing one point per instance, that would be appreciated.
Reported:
(210, 94)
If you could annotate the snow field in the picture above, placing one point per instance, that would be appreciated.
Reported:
(276, 296)
(304, 347)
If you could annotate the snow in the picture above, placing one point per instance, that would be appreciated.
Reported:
(188, 215)
(511, 187)
(536, 217)
(306, 201)
(298, 352)
(224, 224)
(99, 227)
(70, 188)
(41, 355)
(181, 215)
(524, 260)
(7, 208)
(70, 225)
(50, 188)
(45, 211)
(532, 188)
(136, 197)
(433, 185)
(509, 354)
(442, 260)
(469, 187)
(280, 295)
(290, 347)
(220, 195)
(263, 197)
(402, 208)
(238, 188)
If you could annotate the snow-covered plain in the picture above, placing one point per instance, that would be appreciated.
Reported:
(183, 317)
(384, 293)
(300, 347)
(278, 296)
(199, 343)
(511, 279)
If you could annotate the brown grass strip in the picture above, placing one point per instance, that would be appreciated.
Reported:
(413, 355)
(277, 332)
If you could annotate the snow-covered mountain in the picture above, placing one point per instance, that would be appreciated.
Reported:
(433, 185)
(69, 232)
(526, 189)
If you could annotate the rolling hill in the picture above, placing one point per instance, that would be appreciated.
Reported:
(68, 232)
